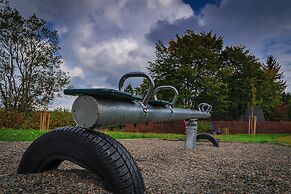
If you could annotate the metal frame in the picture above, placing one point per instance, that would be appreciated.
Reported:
(204, 107)
(150, 91)
(176, 93)
(191, 134)
(93, 112)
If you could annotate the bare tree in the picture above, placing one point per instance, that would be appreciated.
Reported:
(30, 74)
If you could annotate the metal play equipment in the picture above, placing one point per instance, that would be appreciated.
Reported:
(101, 108)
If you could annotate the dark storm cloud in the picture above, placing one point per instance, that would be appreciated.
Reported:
(101, 40)
(263, 26)
(164, 31)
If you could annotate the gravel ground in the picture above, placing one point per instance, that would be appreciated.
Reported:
(167, 168)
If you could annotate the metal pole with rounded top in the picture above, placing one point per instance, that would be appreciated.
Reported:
(191, 134)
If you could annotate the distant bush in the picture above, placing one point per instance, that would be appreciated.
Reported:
(61, 117)
(30, 120)
(10, 119)
(203, 126)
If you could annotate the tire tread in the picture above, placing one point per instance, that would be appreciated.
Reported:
(120, 165)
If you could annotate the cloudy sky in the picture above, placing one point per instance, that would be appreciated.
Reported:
(103, 39)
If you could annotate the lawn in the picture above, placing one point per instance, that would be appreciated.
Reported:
(30, 135)
(259, 138)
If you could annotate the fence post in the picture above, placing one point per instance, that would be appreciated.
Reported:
(48, 120)
(250, 124)
(44, 120)
(255, 125)
(40, 120)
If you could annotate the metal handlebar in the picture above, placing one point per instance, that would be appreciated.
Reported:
(204, 107)
(151, 88)
(173, 103)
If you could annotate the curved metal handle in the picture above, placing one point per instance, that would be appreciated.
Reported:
(204, 107)
(149, 93)
(173, 103)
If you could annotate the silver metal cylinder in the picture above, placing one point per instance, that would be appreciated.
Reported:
(90, 112)
(191, 134)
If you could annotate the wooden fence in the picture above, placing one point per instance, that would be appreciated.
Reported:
(33, 120)
(267, 127)
(234, 127)
(157, 127)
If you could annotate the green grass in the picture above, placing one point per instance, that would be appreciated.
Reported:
(19, 135)
(259, 138)
(30, 135)
(286, 140)
(126, 135)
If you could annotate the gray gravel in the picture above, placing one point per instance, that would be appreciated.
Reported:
(167, 168)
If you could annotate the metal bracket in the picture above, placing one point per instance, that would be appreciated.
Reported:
(144, 107)
(171, 109)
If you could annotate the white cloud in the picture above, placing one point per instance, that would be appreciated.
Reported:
(61, 30)
(170, 10)
(117, 51)
(73, 72)
(101, 40)
(106, 36)
(115, 55)
(63, 102)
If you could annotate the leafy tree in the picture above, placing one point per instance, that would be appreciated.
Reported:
(273, 69)
(287, 100)
(230, 78)
(252, 83)
(191, 63)
(280, 112)
(30, 74)
(129, 89)
(274, 87)
(286, 97)
(244, 79)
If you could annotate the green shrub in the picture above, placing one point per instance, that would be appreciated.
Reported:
(61, 117)
(203, 126)
(10, 119)
(30, 120)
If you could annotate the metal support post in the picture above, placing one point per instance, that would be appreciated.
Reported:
(191, 134)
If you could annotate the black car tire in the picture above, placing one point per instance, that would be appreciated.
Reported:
(92, 150)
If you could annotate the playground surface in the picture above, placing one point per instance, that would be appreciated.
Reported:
(167, 168)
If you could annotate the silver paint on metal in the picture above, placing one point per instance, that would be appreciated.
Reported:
(204, 107)
(90, 112)
(191, 134)
(151, 88)
(85, 111)
(176, 93)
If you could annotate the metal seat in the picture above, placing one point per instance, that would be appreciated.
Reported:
(112, 94)
(103, 93)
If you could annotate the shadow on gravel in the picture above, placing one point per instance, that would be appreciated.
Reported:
(85, 175)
